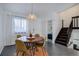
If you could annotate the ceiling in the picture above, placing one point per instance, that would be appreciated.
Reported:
(39, 9)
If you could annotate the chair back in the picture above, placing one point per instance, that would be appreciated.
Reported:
(18, 36)
(44, 40)
(20, 46)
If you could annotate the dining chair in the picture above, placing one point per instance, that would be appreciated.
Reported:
(18, 36)
(22, 48)
(31, 47)
(41, 45)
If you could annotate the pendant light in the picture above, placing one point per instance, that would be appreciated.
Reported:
(32, 16)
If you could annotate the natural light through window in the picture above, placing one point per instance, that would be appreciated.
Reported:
(21, 25)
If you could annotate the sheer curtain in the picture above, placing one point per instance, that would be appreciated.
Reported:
(12, 26)
(20, 25)
(8, 30)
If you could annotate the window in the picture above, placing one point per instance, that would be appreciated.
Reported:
(21, 25)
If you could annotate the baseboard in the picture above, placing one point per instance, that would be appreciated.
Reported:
(9, 45)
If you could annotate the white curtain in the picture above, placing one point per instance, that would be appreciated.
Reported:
(8, 33)
(14, 25)
(21, 25)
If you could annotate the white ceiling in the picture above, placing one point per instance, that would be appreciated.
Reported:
(40, 9)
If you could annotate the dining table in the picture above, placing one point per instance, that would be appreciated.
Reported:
(26, 39)
(28, 42)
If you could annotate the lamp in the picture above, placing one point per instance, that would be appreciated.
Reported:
(32, 16)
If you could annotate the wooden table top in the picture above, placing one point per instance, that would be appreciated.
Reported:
(26, 39)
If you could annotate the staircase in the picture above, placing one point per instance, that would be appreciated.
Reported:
(64, 35)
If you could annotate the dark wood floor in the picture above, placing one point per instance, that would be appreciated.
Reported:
(52, 49)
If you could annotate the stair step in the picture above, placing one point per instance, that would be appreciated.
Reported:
(64, 28)
(62, 43)
(64, 37)
(63, 34)
(61, 39)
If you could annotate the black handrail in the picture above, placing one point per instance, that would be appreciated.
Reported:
(69, 31)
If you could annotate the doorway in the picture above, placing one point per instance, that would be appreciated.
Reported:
(49, 34)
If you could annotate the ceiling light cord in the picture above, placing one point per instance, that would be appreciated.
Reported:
(32, 8)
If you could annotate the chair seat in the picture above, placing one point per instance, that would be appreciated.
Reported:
(39, 44)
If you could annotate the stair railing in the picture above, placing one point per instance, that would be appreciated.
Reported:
(69, 31)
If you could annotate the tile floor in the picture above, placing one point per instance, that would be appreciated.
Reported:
(52, 49)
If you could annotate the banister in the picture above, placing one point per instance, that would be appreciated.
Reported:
(69, 31)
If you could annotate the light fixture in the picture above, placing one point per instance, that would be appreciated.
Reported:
(32, 16)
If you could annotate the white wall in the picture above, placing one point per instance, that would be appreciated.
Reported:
(1, 29)
(1, 32)
(57, 25)
(39, 26)
(35, 26)
(44, 27)
(67, 15)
